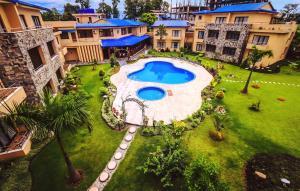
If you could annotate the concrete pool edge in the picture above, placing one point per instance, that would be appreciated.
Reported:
(185, 98)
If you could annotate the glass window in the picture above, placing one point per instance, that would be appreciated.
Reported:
(220, 20)
(36, 57)
(64, 35)
(200, 34)
(199, 47)
(51, 48)
(210, 48)
(229, 51)
(36, 21)
(175, 33)
(175, 45)
(260, 40)
(23, 21)
(232, 35)
(213, 34)
(241, 20)
(85, 33)
(106, 32)
(161, 44)
(123, 31)
(2, 26)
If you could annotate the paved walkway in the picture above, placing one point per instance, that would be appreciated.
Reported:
(105, 176)
(264, 82)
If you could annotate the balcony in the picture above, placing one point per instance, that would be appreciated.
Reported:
(274, 28)
(260, 47)
(10, 96)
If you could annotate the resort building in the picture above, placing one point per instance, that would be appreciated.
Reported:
(93, 38)
(175, 35)
(213, 4)
(29, 52)
(228, 33)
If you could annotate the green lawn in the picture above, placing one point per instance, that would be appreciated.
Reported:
(276, 129)
(89, 152)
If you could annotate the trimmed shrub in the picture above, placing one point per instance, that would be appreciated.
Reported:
(103, 91)
(255, 106)
(101, 74)
(220, 95)
(106, 81)
(255, 86)
(216, 135)
(281, 99)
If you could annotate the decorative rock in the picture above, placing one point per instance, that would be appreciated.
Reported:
(132, 130)
(112, 165)
(260, 175)
(128, 138)
(123, 146)
(103, 176)
(285, 181)
(118, 155)
(93, 189)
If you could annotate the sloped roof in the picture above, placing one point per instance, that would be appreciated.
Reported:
(247, 7)
(29, 4)
(171, 23)
(124, 41)
(111, 23)
(87, 10)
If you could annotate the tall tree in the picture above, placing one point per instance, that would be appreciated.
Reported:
(51, 15)
(289, 11)
(161, 32)
(69, 9)
(105, 8)
(148, 18)
(83, 3)
(57, 115)
(115, 10)
(131, 7)
(157, 4)
(254, 57)
(165, 6)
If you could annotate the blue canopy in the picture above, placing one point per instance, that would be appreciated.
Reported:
(124, 41)
(171, 23)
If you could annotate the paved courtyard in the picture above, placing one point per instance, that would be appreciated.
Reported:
(181, 100)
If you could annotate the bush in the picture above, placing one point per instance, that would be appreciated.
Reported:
(281, 99)
(109, 117)
(103, 91)
(255, 86)
(101, 74)
(113, 61)
(255, 106)
(167, 50)
(207, 107)
(216, 135)
(220, 95)
(106, 81)
(202, 174)
(149, 131)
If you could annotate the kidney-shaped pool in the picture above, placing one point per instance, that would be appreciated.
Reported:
(162, 72)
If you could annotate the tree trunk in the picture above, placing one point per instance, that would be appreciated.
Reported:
(74, 175)
(245, 90)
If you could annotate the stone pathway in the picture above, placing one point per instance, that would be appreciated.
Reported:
(264, 82)
(105, 176)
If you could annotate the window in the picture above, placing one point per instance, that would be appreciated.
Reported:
(73, 35)
(2, 26)
(229, 51)
(50, 46)
(220, 20)
(85, 33)
(106, 32)
(175, 33)
(36, 56)
(199, 17)
(260, 40)
(90, 19)
(64, 35)
(241, 20)
(129, 30)
(199, 47)
(123, 31)
(210, 48)
(23, 21)
(232, 35)
(58, 74)
(36, 21)
(200, 34)
(213, 34)
(161, 44)
(175, 45)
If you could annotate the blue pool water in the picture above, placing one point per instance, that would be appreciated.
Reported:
(151, 93)
(162, 72)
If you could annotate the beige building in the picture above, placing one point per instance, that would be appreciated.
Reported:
(175, 35)
(229, 33)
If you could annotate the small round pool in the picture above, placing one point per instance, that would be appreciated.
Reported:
(151, 93)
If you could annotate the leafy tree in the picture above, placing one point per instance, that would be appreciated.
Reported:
(202, 174)
(115, 11)
(113, 61)
(168, 161)
(157, 4)
(254, 57)
(295, 43)
(69, 9)
(165, 6)
(289, 12)
(148, 18)
(83, 3)
(131, 9)
(105, 8)
(161, 32)
(51, 15)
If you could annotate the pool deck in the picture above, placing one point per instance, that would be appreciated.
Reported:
(181, 100)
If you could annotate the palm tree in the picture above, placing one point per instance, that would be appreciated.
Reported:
(56, 115)
(161, 32)
(255, 56)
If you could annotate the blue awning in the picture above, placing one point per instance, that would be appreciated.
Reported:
(124, 41)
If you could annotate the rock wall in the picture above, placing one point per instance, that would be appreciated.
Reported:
(16, 68)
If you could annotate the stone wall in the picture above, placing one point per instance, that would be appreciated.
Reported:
(16, 68)
(221, 42)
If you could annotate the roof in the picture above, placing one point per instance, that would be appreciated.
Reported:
(29, 4)
(111, 23)
(124, 41)
(247, 7)
(171, 23)
(87, 10)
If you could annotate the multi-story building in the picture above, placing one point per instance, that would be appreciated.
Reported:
(213, 4)
(229, 33)
(29, 52)
(94, 38)
(175, 35)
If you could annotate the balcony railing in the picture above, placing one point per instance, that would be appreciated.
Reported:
(22, 29)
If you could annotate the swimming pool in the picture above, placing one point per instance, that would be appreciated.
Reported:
(162, 72)
(151, 93)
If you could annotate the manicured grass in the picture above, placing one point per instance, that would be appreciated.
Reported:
(89, 152)
(276, 129)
